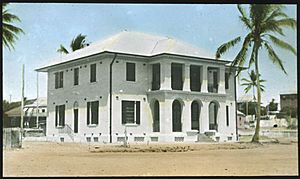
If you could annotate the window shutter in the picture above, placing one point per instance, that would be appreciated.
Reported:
(61, 79)
(56, 80)
(56, 115)
(63, 114)
(137, 113)
(88, 113)
(123, 112)
(95, 112)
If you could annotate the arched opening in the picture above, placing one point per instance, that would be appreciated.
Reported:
(176, 116)
(195, 110)
(156, 127)
(213, 114)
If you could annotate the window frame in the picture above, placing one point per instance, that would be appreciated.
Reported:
(93, 73)
(76, 76)
(129, 71)
(60, 119)
(59, 79)
(136, 112)
(90, 114)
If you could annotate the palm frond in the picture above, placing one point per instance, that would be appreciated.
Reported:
(244, 17)
(62, 49)
(7, 17)
(287, 22)
(274, 57)
(282, 44)
(78, 42)
(223, 48)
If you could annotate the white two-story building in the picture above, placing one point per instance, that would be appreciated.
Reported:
(159, 89)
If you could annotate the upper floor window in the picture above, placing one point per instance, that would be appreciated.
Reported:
(60, 115)
(155, 76)
(130, 112)
(226, 80)
(93, 73)
(76, 76)
(59, 79)
(92, 113)
(176, 76)
(195, 84)
(130, 71)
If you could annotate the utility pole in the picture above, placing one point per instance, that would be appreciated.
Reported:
(9, 98)
(37, 99)
(22, 103)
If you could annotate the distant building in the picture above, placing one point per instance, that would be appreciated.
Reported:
(30, 115)
(288, 100)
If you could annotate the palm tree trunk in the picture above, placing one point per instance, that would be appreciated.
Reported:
(255, 137)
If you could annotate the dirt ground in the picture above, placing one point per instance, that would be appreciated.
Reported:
(69, 159)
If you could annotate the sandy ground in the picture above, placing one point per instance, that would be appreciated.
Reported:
(69, 159)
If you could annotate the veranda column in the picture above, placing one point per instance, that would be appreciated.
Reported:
(166, 118)
(187, 116)
(204, 117)
(165, 75)
(204, 79)
(186, 84)
(221, 88)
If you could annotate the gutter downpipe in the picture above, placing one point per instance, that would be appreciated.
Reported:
(110, 98)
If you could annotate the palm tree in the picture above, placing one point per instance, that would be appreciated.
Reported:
(251, 83)
(10, 32)
(262, 21)
(77, 43)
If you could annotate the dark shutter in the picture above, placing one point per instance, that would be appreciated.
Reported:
(226, 80)
(130, 71)
(76, 76)
(215, 78)
(123, 112)
(62, 114)
(56, 115)
(95, 110)
(155, 76)
(61, 79)
(88, 113)
(195, 78)
(227, 115)
(93, 73)
(56, 80)
(137, 113)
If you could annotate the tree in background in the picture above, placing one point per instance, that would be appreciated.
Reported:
(251, 83)
(77, 43)
(273, 106)
(9, 31)
(263, 22)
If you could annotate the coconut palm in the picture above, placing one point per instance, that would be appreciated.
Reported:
(263, 22)
(77, 43)
(9, 31)
(252, 84)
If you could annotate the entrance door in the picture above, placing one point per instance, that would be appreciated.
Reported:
(75, 120)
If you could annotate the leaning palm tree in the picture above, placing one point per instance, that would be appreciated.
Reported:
(251, 83)
(263, 22)
(77, 43)
(9, 31)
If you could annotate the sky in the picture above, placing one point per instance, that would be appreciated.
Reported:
(207, 26)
